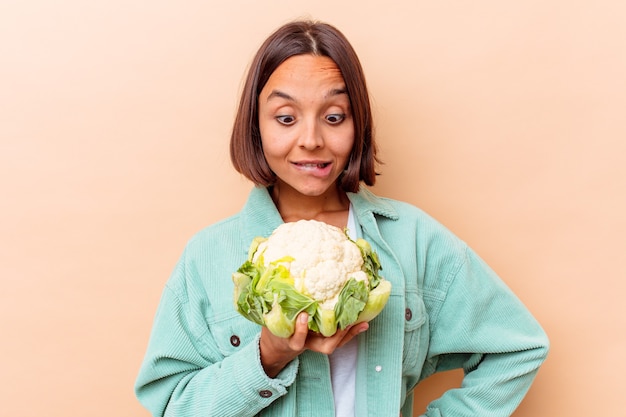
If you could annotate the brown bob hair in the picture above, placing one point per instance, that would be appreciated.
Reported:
(299, 38)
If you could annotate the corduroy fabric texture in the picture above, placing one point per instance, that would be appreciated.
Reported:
(447, 310)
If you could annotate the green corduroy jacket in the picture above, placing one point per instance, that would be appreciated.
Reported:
(447, 310)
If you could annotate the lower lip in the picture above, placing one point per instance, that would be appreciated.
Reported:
(314, 170)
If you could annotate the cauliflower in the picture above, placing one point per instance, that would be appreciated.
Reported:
(314, 267)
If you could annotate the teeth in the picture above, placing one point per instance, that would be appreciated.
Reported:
(314, 165)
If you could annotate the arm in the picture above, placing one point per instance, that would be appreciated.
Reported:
(482, 327)
(184, 373)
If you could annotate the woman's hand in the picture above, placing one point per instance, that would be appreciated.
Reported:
(277, 352)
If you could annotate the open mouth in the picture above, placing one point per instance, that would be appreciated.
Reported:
(313, 165)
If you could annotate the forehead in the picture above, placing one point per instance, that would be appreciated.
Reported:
(307, 71)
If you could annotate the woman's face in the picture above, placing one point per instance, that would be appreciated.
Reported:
(307, 131)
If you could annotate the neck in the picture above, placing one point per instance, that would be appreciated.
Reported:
(330, 207)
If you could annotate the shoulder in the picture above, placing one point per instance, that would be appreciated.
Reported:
(216, 233)
(215, 249)
(400, 217)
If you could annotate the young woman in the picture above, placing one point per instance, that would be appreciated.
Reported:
(303, 136)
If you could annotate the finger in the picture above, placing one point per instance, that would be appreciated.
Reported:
(353, 332)
(327, 345)
(298, 339)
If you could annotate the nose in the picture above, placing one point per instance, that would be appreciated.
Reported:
(311, 136)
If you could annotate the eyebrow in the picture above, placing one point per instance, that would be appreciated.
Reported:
(281, 94)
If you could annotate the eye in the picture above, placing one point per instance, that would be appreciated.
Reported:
(335, 119)
(286, 120)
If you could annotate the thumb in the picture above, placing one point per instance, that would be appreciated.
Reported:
(298, 339)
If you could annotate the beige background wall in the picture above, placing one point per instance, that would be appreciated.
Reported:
(504, 120)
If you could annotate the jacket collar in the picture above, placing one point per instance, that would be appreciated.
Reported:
(365, 202)
(260, 216)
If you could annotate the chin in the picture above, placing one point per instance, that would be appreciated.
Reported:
(313, 192)
(317, 191)
(309, 188)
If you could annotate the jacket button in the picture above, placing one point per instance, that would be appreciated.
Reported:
(408, 314)
(234, 340)
(265, 393)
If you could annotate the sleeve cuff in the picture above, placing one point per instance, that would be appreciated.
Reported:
(252, 381)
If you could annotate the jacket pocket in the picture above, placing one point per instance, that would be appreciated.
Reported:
(414, 321)
(231, 331)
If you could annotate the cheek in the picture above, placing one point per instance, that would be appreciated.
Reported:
(274, 147)
(269, 139)
(345, 142)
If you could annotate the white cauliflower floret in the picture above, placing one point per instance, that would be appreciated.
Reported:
(321, 258)
(309, 266)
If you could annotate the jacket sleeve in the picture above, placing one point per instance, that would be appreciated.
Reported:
(479, 325)
(184, 374)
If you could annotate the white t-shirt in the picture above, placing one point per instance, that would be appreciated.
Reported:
(343, 360)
